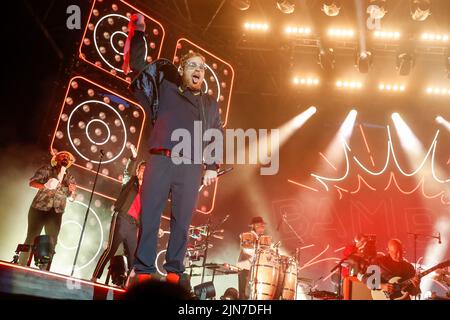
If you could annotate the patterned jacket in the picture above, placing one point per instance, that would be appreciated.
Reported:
(47, 199)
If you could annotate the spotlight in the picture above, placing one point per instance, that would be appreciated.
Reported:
(377, 9)
(392, 87)
(341, 33)
(331, 7)
(230, 294)
(350, 85)
(326, 58)
(241, 4)
(420, 9)
(297, 30)
(364, 61)
(205, 291)
(387, 35)
(256, 26)
(43, 251)
(306, 81)
(434, 37)
(438, 91)
(286, 6)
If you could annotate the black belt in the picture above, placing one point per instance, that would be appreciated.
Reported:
(164, 152)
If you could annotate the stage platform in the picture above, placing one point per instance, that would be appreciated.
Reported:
(17, 282)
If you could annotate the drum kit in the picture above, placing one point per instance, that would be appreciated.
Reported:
(272, 276)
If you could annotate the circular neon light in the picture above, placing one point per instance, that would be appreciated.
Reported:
(101, 236)
(60, 240)
(95, 40)
(107, 128)
(70, 136)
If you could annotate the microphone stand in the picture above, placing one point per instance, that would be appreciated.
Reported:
(209, 231)
(205, 255)
(339, 265)
(299, 241)
(87, 214)
(415, 236)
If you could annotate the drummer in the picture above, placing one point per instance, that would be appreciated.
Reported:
(248, 245)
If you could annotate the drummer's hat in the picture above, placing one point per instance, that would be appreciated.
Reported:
(256, 220)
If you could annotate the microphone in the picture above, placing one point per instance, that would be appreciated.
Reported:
(225, 219)
(219, 173)
(222, 172)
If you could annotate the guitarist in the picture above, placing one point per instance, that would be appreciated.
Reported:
(393, 265)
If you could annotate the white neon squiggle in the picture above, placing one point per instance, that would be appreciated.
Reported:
(390, 149)
(433, 172)
(374, 173)
(423, 162)
(319, 178)
(359, 185)
(310, 261)
(318, 261)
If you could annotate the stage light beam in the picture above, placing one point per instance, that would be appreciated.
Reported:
(443, 122)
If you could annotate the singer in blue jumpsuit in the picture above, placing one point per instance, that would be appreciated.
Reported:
(172, 100)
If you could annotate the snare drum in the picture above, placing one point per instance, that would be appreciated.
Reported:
(265, 241)
(264, 275)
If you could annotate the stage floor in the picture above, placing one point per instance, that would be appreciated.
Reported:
(17, 282)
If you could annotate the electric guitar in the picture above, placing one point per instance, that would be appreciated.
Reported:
(400, 285)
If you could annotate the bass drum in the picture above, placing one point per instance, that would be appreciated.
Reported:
(264, 275)
(287, 280)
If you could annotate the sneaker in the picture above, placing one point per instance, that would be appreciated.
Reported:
(173, 278)
(138, 278)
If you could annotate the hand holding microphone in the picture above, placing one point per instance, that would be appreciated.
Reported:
(51, 184)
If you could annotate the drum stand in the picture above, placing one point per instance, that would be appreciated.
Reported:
(415, 236)
(210, 231)
(299, 242)
(253, 271)
(339, 266)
